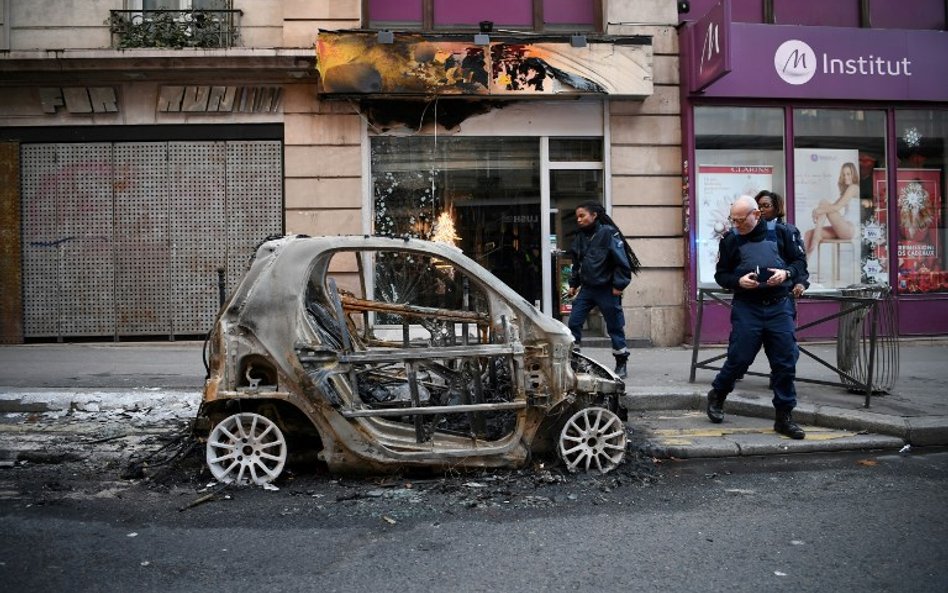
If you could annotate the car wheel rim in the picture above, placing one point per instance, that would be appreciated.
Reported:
(593, 438)
(246, 448)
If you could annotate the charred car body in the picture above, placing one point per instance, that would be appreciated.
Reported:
(383, 354)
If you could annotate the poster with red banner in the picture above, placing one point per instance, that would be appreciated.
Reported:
(718, 187)
(918, 211)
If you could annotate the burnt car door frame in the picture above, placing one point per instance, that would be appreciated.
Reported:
(466, 356)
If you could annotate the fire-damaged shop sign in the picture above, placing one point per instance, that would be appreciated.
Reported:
(356, 63)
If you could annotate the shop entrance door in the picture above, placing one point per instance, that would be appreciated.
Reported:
(574, 173)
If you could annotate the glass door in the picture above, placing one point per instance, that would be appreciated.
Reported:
(575, 175)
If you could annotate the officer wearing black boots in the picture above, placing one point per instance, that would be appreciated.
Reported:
(760, 265)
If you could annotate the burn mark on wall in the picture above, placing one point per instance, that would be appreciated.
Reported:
(393, 113)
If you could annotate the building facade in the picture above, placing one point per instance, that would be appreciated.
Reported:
(840, 107)
(147, 155)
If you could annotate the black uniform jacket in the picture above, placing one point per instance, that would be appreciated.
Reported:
(599, 258)
(727, 273)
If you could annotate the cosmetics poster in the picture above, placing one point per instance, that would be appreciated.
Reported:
(827, 208)
(718, 187)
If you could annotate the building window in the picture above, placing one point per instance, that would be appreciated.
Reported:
(576, 149)
(892, 14)
(179, 4)
(819, 13)
(511, 15)
(175, 24)
(839, 185)
(481, 194)
(738, 150)
(920, 200)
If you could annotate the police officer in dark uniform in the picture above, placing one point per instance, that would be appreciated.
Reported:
(603, 265)
(760, 265)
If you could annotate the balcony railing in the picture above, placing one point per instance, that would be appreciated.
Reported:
(174, 28)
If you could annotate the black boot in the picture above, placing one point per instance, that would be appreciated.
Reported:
(621, 360)
(785, 425)
(716, 406)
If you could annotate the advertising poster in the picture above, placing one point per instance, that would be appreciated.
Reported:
(875, 233)
(920, 251)
(718, 187)
(827, 211)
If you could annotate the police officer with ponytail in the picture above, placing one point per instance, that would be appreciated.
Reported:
(603, 264)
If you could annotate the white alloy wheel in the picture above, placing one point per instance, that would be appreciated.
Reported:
(246, 448)
(593, 438)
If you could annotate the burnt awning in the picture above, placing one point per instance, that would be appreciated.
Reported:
(358, 63)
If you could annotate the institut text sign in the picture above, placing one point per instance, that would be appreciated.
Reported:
(834, 63)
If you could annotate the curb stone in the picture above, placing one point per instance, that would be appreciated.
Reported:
(888, 431)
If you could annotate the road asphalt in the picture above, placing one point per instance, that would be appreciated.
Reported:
(162, 380)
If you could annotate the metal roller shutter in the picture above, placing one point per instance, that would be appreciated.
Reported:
(125, 239)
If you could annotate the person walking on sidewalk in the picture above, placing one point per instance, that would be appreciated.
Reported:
(603, 264)
(760, 265)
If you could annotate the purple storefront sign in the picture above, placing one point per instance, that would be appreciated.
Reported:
(774, 61)
(710, 37)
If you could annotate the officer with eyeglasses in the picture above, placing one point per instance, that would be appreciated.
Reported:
(759, 264)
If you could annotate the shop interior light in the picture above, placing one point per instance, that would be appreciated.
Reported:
(577, 40)
(386, 37)
(481, 39)
(444, 230)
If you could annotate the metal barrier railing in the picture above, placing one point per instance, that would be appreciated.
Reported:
(867, 345)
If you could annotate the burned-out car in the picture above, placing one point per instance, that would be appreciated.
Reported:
(379, 354)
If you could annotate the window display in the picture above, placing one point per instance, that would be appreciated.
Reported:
(480, 194)
(836, 202)
(739, 150)
(827, 205)
(920, 201)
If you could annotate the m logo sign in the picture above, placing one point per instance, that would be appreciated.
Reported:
(795, 62)
(711, 48)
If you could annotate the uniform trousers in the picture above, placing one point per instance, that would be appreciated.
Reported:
(771, 324)
(611, 307)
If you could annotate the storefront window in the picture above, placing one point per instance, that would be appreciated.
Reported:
(839, 195)
(481, 194)
(576, 149)
(738, 150)
(920, 200)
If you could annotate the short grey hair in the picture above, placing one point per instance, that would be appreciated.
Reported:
(746, 201)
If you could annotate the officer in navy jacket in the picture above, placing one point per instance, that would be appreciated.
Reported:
(603, 264)
(760, 263)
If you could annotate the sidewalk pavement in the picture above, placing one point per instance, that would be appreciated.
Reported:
(162, 380)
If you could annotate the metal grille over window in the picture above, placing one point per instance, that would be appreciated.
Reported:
(125, 239)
